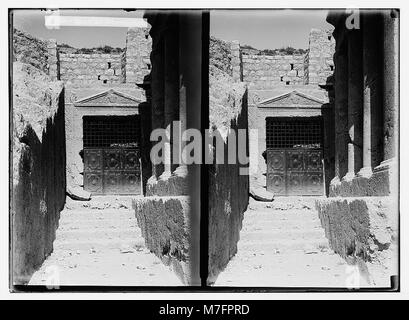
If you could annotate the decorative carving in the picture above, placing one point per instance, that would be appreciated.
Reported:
(93, 182)
(295, 172)
(293, 98)
(119, 174)
(109, 98)
(93, 159)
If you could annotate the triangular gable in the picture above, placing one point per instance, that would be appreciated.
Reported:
(293, 98)
(109, 98)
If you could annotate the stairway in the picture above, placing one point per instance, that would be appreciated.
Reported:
(99, 243)
(282, 244)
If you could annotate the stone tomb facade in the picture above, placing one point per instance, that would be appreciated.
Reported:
(103, 143)
(292, 153)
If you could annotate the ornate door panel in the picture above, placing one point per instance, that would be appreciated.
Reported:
(112, 182)
(93, 171)
(295, 183)
(112, 171)
(276, 171)
(131, 171)
(295, 172)
(294, 156)
(112, 160)
(93, 182)
(111, 155)
(313, 183)
(313, 180)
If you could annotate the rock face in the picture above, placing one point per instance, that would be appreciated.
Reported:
(363, 229)
(38, 167)
(228, 188)
(30, 50)
(164, 223)
(220, 55)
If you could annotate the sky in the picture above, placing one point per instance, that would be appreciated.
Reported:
(32, 21)
(262, 29)
(267, 29)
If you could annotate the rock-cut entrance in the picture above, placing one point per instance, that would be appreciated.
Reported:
(111, 155)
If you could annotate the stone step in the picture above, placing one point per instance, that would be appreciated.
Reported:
(101, 202)
(278, 235)
(295, 260)
(281, 214)
(282, 245)
(94, 234)
(111, 223)
(73, 215)
(98, 244)
(281, 224)
(286, 203)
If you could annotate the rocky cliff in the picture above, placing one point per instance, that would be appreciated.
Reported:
(228, 189)
(38, 166)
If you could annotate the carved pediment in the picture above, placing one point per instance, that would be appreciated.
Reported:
(109, 98)
(293, 98)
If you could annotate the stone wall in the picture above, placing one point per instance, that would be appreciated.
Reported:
(94, 68)
(228, 190)
(264, 72)
(320, 56)
(53, 60)
(38, 168)
(364, 230)
(132, 65)
(137, 55)
(269, 71)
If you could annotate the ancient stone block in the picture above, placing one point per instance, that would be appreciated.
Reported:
(363, 230)
(165, 226)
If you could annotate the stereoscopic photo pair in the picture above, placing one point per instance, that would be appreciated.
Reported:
(218, 149)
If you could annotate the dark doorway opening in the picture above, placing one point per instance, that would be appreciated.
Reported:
(112, 155)
(295, 156)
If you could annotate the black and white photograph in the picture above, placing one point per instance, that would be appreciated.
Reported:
(317, 92)
(204, 150)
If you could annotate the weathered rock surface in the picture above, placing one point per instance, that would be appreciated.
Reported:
(76, 193)
(258, 190)
(220, 55)
(165, 226)
(228, 188)
(261, 194)
(38, 149)
(363, 229)
(27, 49)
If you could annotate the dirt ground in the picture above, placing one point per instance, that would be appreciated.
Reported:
(282, 244)
(102, 247)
